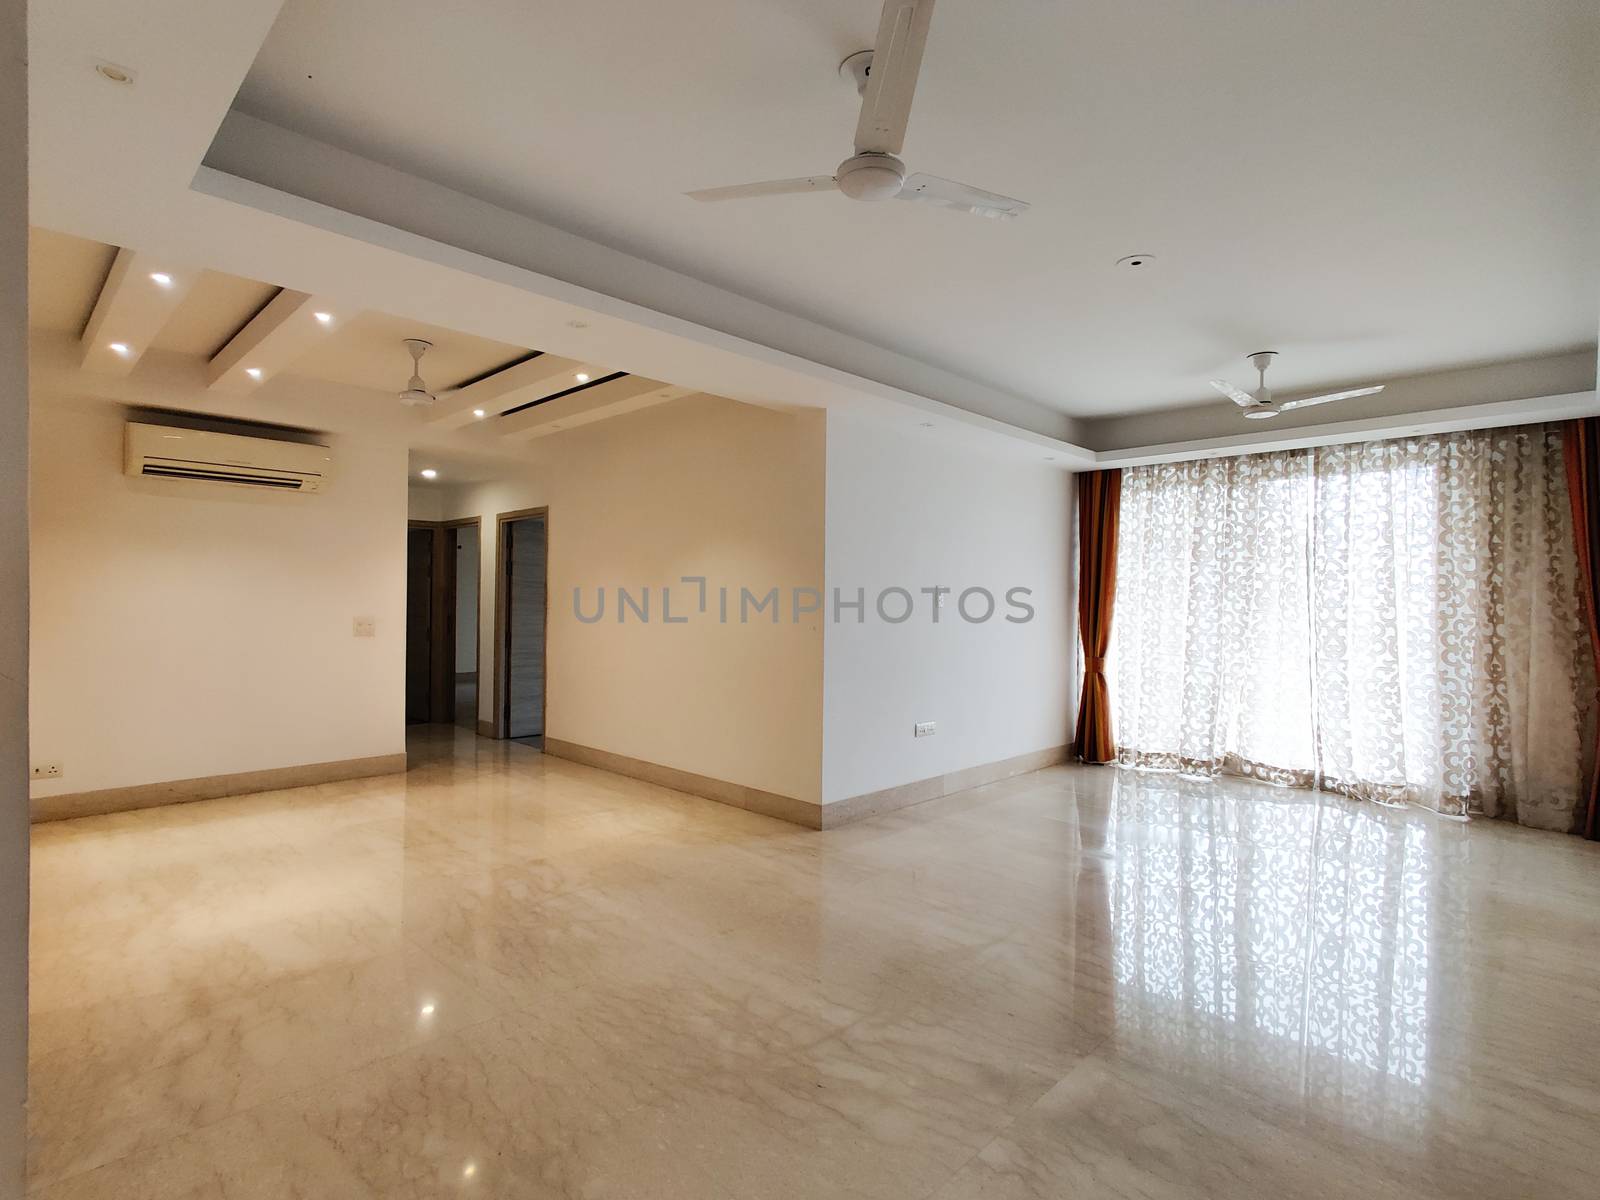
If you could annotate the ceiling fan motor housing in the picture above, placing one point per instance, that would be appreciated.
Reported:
(416, 393)
(871, 176)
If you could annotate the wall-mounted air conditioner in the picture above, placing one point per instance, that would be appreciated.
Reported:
(164, 452)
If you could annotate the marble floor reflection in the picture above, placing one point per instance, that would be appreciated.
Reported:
(503, 975)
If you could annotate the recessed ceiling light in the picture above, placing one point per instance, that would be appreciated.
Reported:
(429, 473)
(926, 424)
(324, 318)
(1136, 260)
(254, 373)
(160, 279)
(581, 377)
(479, 413)
(116, 74)
(120, 348)
(426, 1010)
(468, 1171)
(578, 324)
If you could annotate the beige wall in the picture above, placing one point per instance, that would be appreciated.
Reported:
(185, 629)
(702, 486)
(13, 594)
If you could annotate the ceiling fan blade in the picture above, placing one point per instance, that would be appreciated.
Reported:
(1330, 397)
(892, 79)
(1240, 397)
(947, 193)
(772, 187)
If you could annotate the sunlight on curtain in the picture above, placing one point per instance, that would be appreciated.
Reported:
(1394, 620)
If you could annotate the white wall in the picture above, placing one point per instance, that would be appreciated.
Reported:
(13, 594)
(701, 486)
(906, 511)
(425, 502)
(183, 630)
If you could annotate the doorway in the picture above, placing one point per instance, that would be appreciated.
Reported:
(465, 538)
(420, 617)
(442, 622)
(522, 615)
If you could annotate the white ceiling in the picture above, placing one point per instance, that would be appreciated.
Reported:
(1370, 188)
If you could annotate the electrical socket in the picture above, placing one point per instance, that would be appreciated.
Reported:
(46, 771)
(925, 729)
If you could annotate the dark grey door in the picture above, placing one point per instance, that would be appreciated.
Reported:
(419, 624)
(525, 620)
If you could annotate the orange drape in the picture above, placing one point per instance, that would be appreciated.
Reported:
(1581, 444)
(1099, 505)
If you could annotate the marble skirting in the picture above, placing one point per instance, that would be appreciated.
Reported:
(210, 787)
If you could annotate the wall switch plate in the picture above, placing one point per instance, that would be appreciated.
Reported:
(46, 771)
(925, 728)
(366, 627)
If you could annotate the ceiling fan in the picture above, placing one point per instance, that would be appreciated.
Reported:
(416, 392)
(1259, 405)
(886, 77)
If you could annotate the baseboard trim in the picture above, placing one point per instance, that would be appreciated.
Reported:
(803, 812)
(875, 804)
(210, 787)
(771, 804)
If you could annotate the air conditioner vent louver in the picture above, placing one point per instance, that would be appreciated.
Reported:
(293, 485)
(162, 452)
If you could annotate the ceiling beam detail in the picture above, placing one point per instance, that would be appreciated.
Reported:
(584, 406)
(290, 324)
(523, 381)
(138, 298)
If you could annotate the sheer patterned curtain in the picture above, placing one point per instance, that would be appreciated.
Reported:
(1394, 620)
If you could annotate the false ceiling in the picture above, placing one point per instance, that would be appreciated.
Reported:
(1372, 189)
(500, 392)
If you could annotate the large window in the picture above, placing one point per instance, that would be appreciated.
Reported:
(1394, 620)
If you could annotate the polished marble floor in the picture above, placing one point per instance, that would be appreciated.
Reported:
(503, 975)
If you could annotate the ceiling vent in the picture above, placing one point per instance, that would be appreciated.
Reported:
(165, 452)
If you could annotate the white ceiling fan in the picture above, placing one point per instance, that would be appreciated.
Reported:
(416, 392)
(886, 77)
(1258, 405)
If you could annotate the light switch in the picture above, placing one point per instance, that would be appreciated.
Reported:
(366, 627)
(924, 729)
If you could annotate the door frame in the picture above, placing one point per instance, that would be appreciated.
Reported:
(442, 619)
(502, 665)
